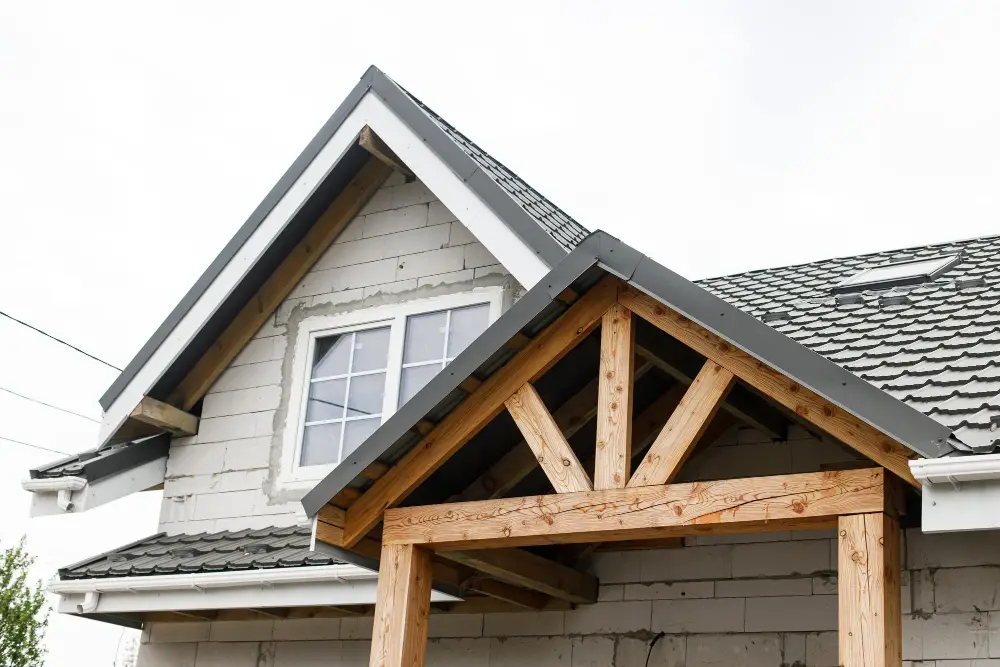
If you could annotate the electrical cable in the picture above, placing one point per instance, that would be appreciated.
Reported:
(28, 444)
(49, 405)
(657, 638)
(59, 340)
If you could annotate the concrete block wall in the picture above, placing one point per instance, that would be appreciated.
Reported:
(764, 600)
(403, 245)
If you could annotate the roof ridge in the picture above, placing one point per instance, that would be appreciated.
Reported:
(927, 246)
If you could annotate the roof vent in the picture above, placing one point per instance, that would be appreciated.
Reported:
(893, 300)
(257, 548)
(850, 299)
(776, 316)
(887, 276)
(967, 283)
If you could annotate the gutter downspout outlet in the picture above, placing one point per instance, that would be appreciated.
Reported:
(64, 500)
(89, 604)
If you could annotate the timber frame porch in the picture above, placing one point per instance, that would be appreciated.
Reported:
(621, 488)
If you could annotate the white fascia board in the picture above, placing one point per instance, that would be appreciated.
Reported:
(45, 494)
(495, 235)
(338, 585)
(959, 493)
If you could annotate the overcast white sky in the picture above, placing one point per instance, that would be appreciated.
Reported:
(136, 137)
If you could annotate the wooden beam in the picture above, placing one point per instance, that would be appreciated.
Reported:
(804, 402)
(687, 423)
(868, 583)
(547, 442)
(613, 461)
(809, 500)
(279, 284)
(163, 416)
(478, 409)
(402, 607)
(515, 595)
(523, 568)
(682, 363)
(372, 143)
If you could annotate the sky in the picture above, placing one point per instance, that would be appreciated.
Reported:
(135, 138)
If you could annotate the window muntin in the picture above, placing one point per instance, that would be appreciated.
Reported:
(327, 420)
(435, 339)
(911, 272)
(346, 393)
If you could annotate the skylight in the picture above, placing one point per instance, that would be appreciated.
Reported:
(911, 272)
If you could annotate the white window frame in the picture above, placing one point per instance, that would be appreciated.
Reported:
(296, 477)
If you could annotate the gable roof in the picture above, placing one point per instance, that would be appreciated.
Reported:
(602, 254)
(540, 225)
(934, 346)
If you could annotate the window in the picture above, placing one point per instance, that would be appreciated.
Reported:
(911, 272)
(351, 371)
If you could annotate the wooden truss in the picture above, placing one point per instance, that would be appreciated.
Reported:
(484, 531)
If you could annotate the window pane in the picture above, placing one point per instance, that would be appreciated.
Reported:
(356, 432)
(466, 325)
(326, 400)
(320, 444)
(424, 337)
(413, 380)
(366, 395)
(371, 349)
(332, 355)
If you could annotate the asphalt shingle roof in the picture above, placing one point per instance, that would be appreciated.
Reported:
(934, 346)
(266, 548)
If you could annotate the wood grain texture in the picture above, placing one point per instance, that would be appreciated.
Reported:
(806, 403)
(402, 607)
(547, 442)
(809, 500)
(523, 568)
(161, 415)
(279, 284)
(372, 143)
(478, 409)
(868, 588)
(613, 460)
(688, 422)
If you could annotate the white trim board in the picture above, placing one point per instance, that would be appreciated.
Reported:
(306, 586)
(491, 231)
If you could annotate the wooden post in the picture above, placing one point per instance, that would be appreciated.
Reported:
(613, 460)
(868, 588)
(402, 607)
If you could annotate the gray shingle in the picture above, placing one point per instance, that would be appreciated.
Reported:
(204, 552)
(933, 349)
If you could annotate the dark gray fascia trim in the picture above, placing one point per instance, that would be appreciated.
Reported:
(882, 411)
(133, 456)
(245, 231)
(424, 126)
(520, 314)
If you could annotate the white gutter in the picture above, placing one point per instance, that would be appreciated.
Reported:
(63, 487)
(306, 586)
(960, 493)
(956, 469)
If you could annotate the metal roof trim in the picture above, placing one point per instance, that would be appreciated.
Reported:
(118, 460)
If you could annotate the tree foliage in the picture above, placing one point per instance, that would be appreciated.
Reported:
(24, 615)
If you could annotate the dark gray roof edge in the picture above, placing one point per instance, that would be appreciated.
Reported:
(94, 559)
(404, 106)
(122, 459)
(907, 425)
(475, 355)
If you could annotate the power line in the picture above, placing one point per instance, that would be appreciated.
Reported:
(59, 340)
(49, 405)
(28, 444)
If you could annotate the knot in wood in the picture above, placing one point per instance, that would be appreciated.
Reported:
(798, 506)
(565, 462)
(609, 375)
(658, 310)
(856, 556)
(547, 519)
(678, 510)
(828, 410)
(614, 405)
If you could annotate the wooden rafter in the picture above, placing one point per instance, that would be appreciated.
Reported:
(809, 500)
(686, 424)
(868, 584)
(613, 461)
(372, 143)
(279, 284)
(523, 568)
(163, 416)
(547, 442)
(478, 409)
(804, 402)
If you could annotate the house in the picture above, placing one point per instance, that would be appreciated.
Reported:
(553, 449)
